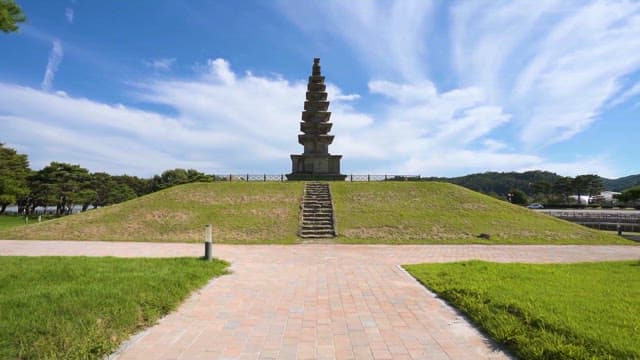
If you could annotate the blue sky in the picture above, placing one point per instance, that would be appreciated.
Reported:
(439, 88)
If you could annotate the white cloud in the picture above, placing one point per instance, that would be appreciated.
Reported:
(163, 64)
(68, 14)
(388, 36)
(600, 165)
(227, 122)
(629, 93)
(55, 57)
(554, 64)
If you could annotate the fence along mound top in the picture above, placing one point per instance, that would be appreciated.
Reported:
(282, 177)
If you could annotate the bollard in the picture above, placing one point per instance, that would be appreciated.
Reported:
(619, 229)
(207, 243)
(39, 218)
(26, 219)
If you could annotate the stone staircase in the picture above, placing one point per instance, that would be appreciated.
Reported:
(317, 212)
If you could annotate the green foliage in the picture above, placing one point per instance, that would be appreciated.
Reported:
(14, 171)
(108, 191)
(518, 197)
(177, 177)
(622, 183)
(62, 184)
(541, 191)
(138, 185)
(83, 308)
(562, 188)
(501, 183)
(543, 186)
(10, 15)
(630, 195)
(552, 311)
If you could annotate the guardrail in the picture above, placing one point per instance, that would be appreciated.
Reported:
(600, 220)
(282, 177)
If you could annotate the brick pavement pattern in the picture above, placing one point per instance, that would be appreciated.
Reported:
(316, 301)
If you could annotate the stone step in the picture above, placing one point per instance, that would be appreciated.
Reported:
(317, 233)
(317, 212)
(317, 204)
(319, 226)
(316, 237)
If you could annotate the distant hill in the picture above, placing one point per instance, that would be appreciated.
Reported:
(501, 182)
(622, 183)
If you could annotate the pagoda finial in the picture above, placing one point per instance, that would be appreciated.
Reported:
(316, 67)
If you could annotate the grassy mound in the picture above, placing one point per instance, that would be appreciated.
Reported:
(375, 212)
(239, 212)
(551, 311)
(433, 212)
(83, 308)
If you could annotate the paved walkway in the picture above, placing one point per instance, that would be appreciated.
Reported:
(316, 301)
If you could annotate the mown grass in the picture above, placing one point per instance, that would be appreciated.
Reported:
(239, 212)
(7, 221)
(83, 308)
(433, 212)
(553, 311)
(375, 212)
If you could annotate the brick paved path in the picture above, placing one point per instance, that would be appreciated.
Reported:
(316, 301)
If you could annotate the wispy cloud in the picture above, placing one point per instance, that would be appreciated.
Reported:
(68, 14)
(55, 57)
(389, 36)
(551, 66)
(163, 64)
(554, 64)
(225, 121)
(627, 94)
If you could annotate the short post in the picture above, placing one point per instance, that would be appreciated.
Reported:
(39, 218)
(368, 177)
(26, 219)
(264, 178)
(619, 229)
(207, 243)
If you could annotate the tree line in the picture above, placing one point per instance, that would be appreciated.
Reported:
(543, 186)
(67, 186)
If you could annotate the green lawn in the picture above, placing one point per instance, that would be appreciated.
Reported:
(268, 212)
(83, 308)
(7, 221)
(559, 311)
(440, 213)
(240, 212)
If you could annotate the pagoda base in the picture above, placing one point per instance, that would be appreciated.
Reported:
(316, 177)
(315, 167)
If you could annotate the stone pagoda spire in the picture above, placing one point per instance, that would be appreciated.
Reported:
(315, 163)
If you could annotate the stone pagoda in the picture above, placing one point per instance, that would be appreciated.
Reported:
(315, 163)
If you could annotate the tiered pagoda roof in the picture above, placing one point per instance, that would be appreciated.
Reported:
(316, 124)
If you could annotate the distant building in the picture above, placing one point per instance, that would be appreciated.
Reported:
(605, 197)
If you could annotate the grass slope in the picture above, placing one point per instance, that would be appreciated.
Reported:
(240, 213)
(83, 308)
(375, 212)
(552, 311)
(7, 221)
(433, 212)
